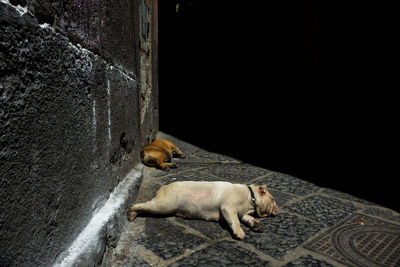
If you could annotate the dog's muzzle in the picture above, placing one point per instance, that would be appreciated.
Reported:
(273, 208)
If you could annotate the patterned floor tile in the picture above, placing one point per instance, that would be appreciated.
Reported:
(383, 213)
(282, 234)
(167, 240)
(346, 196)
(214, 230)
(308, 261)
(326, 211)
(190, 176)
(280, 198)
(289, 184)
(224, 253)
(236, 173)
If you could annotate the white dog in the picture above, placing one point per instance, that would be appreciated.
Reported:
(212, 201)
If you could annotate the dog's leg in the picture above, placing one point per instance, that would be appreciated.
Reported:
(166, 165)
(161, 163)
(232, 219)
(154, 206)
(169, 154)
(172, 165)
(254, 224)
(178, 153)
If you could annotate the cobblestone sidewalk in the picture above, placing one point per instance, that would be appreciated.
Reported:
(315, 226)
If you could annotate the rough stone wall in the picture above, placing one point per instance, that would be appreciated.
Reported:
(78, 99)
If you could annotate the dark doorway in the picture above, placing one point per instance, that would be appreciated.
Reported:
(282, 85)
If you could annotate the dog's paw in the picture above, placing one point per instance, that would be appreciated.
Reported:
(239, 234)
(173, 165)
(165, 168)
(258, 227)
(131, 208)
(131, 215)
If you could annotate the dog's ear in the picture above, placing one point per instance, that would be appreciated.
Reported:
(262, 189)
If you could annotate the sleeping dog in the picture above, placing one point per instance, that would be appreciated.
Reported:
(212, 201)
(159, 154)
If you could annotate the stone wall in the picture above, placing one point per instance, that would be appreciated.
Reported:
(78, 99)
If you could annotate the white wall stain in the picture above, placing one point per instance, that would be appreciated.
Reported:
(109, 123)
(21, 10)
(89, 238)
(109, 111)
(44, 26)
(94, 133)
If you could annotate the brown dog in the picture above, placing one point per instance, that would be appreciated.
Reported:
(159, 154)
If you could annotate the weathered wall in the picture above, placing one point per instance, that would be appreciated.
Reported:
(78, 99)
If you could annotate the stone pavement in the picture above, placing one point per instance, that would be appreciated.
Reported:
(315, 226)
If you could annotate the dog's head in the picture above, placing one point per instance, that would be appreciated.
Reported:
(150, 161)
(266, 205)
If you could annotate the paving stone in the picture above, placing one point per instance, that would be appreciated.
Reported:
(325, 210)
(308, 261)
(211, 229)
(282, 234)
(223, 253)
(194, 153)
(383, 213)
(346, 196)
(236, 173)
(190, 176)
(180, 143)
(214, 157)
(166, 239)
(289, 184)
(280, 197)
(128, 260)
(182, 167)
(199, 156)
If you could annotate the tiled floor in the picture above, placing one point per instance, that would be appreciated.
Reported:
(315, 226)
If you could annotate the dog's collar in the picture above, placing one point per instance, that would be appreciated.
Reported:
(253, 198)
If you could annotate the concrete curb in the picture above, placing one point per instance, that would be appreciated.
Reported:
(106, 225)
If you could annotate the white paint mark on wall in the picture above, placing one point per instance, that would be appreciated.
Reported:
(44, 26)
(21, 10)
(94, 134)
(109, 111)
(89, 238)
(94, 126)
